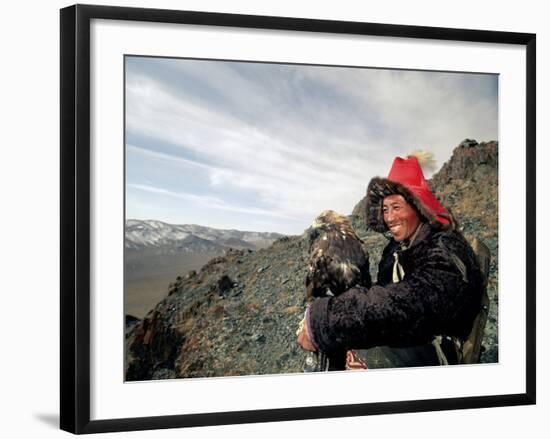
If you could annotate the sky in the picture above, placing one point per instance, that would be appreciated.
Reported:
(267, 147)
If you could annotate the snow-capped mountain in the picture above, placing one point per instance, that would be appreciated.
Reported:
(143, 234)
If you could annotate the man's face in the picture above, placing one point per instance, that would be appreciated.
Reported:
(400, 217)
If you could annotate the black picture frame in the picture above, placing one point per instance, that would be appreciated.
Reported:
(75, 217)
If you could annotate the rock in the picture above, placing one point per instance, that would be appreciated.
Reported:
(260, 338)
(225, 284)
(163, 374)
(467, 143)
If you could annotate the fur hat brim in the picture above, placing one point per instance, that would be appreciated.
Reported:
(379, 188)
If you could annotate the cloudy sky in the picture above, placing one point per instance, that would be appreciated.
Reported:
(266, 147)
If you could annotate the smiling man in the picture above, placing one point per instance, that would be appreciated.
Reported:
(429, 284)
(400, 217)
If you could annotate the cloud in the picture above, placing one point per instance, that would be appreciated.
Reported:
(167, 157)
(208, 201)
(295, 140)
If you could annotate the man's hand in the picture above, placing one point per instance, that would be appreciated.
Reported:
(354, 361)
(303, 337)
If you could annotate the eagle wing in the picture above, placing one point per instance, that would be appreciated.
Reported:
(338, 261)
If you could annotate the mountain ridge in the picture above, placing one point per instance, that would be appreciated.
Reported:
(140, 234)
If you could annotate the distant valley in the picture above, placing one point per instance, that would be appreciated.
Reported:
(157, 252)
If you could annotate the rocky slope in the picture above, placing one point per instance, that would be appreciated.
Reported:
(239, 313)
(236, 316)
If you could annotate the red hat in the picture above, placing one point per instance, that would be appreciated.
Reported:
(409, 173)
(407, 179)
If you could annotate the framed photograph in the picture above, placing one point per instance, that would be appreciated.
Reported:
(211, 165)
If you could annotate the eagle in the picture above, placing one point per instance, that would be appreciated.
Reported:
(338, 259)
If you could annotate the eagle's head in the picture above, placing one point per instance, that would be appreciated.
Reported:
(327, 221)
(326, 218)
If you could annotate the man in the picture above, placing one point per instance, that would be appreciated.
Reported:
(429, 284)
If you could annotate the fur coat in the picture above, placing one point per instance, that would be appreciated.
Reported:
(440, 294)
